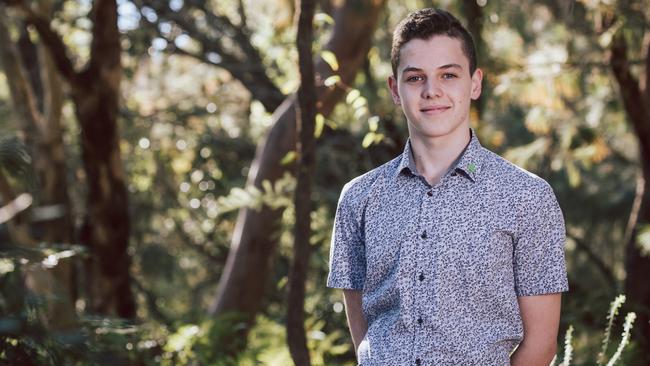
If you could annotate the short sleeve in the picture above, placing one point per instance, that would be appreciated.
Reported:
(539, 265)
(347, 267)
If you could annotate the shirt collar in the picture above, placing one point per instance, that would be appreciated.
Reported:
(469, 163)
(407, 161)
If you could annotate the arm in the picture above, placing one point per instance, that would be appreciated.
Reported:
(541, 318)
(356, 320)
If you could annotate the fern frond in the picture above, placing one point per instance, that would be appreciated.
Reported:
(613, 312)
(568, 348)
(625, 339)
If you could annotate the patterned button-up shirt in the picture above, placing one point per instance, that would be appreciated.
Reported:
(440, 267)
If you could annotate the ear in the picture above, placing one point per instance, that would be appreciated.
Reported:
(477, 79)
(392, 85)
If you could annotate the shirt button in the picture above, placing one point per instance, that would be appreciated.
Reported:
(418, 362)
(420, 320)
(429, 193)
(423, 235)
(421, 277)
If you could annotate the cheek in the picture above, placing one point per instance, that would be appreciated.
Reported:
(462, 97)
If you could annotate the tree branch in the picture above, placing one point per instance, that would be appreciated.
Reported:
(105, 48)
(647, 73)
(594, 258)
(305, 147)
(632, 95)
(244, 62)
(242, 15)
(50, 39)
(152, 306)
(189, 242)
(19, 86)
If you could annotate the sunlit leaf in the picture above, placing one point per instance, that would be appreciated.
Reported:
(373, 123)
(52, 260)
(17, 205)
(537, 121)
(368, 140)
(359, 102)
(323, 18)
(267, 186)
(320, 124)
(6, 266)
(330, 59)
(289, 158)
(352, 96)
(573, 174)
(605, 39)
(332, 80)
(360, 112)
(643, 239)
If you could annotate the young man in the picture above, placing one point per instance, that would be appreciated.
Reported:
(448, 254)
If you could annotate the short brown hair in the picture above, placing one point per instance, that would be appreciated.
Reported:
(426, 23)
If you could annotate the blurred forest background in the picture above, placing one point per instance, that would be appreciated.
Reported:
(148, 155)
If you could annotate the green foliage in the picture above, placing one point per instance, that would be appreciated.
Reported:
(13, 156)
(25, 338)
(568, 348)
(274, 195)
(211, 343)
(625, 338)
(189, 132)
(613, 312)
(15, 161)
(602, 355)
(643, 239)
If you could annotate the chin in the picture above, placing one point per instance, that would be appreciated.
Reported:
(437, 131)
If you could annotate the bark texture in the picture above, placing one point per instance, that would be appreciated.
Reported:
(475, 18)
(242, 285)
(296, 337)
(95, 93)
(636, 102)
(37, 97)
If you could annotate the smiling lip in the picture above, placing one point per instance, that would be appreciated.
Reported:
(434, 109)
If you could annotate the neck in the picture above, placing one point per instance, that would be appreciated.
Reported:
(434, 155)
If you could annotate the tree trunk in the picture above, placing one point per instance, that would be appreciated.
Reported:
(241, 287)
(95, 93)
(305, 121)
(637, 265)
(107, 220)
(44, 137)
(475, 18)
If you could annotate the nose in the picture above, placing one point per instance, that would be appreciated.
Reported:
(431, 89)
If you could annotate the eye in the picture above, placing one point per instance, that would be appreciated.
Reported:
(414, 78)
(449, 75)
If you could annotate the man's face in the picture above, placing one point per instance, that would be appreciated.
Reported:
(434, 87)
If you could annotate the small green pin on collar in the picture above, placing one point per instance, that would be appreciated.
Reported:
(471, 167)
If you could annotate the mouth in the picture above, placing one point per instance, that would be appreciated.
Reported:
(436, 109)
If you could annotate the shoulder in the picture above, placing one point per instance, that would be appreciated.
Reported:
(523, 185)
(358, 190)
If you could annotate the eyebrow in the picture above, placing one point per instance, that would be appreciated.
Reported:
(443, 67)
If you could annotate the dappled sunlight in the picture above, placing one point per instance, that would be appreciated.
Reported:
(148, 169)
